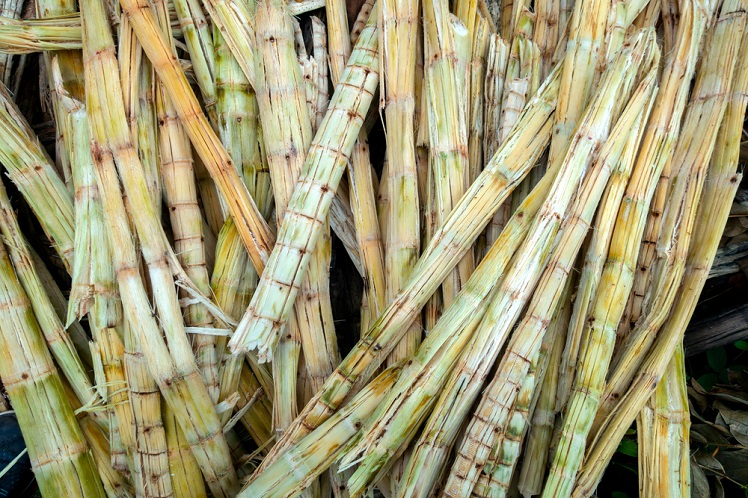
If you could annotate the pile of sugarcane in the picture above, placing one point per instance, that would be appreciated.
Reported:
(533, 220)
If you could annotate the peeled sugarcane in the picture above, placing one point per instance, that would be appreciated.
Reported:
(363, 200)
(690, 160)
(617, 276)
(663, 431)
(173, 366)
(716, 197)
(498, 472)
(38, 35)
(398, 36)
(254, 232)
(546, 32)
(489, 423)
(139, 96)
(293, 472)
(481, 37)
(62, 462)
(511, 162)
(31, 170)
(10, 10)
(446, 55)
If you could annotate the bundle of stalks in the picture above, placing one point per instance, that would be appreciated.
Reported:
(226, 272)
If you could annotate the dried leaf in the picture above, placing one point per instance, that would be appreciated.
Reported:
(735, 464)
(699, 482)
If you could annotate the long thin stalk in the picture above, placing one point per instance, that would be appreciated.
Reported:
(255, 233)
(511, 162)
(617, 277)
(61, 460)
(9, 10)
(39, 35)
(495, 408)
(293, 472)
(398, 36)
(173, 366)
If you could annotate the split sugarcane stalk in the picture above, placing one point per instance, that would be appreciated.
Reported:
(39, 35)
(254, 232)
(363, 200)
(617, 277)
(399, 26)
(173, 366)
(481, 37)
(180, 194)
(60, 457)
(495, 408)
(717, 192)
(511, 162)
(663, 431)
(363, 15)
(10, 10)
(498, 472)
(139, 95)
(296, 469)
(690, 160)
(546, 32)
(447, 51)
(31, 170)
(308, 207)
(714, 206)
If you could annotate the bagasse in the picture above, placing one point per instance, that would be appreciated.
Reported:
(390, 248)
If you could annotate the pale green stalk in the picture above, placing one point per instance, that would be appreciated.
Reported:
(31, 170)
(37, 35)
(490, 421)
(10, 10)
(173, 366)
(714, 206)
(662, 429)
(299, 466)
(617, 277)
(447, 51)
(308, 207)
(586, 36)
(481, 37)
(180, 195)
(62, 461)
(546, 32)
(399, 28)
(450, 243)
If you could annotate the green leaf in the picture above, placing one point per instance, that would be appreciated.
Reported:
(717, 359)
(707, 381)
(741, 345)
(628, 447)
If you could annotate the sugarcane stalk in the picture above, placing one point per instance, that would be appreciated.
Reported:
(489, 422)
(586, 36)
(114, 483)
(197, 36)
(173, 366)
(139, 96)
(617, 277)
(293, 472)
(546, 32)
(481, 36)
(180, 194)
(361, 18)
(184, 472)
(449, 244)
(38, 35)
(307, 208)
(498, 57)
(398, 37)
(254, 231)
(60, 457)
(447, 48)
(71, 69)
(10, 10)
(151, 475)
(714, 206)
(543, 420)
(31, 170)
(663, 431)
(363, 200)
(690, 160)
(717, 185)
(498, 471)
